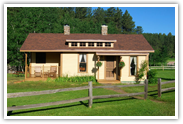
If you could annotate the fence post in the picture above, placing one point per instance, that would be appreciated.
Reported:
(145, 88)
(90, 101)
(159, 87)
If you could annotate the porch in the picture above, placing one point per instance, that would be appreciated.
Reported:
(109, 81)
(41, 72)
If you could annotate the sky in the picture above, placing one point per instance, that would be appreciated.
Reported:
(152, 19)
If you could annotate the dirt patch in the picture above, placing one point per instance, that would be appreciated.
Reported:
(18, 82)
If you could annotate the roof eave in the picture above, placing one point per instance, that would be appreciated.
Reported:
(93, 50)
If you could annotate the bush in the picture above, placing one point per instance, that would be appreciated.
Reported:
(75, 79)
(140, 74)
(151, 75)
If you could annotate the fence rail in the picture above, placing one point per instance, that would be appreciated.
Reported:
(89, 98)
(165, 89)
(20, 94)
(162, 67)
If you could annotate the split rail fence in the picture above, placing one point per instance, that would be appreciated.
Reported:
(89, 98)
(166, 89)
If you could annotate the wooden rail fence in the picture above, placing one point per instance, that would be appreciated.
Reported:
(89, 98)
(166, 89)
(162, 67)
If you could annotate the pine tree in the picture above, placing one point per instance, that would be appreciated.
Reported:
(127, 23)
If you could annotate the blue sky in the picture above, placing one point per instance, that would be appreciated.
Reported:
(152, 19)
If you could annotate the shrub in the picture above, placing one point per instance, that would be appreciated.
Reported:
(151, 76)
(75, 79)
(141, 72)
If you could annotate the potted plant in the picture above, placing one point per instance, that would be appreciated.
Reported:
(82, 68)
(121, 64)
(99, 64)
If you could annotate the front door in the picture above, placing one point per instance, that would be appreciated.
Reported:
(110, 67)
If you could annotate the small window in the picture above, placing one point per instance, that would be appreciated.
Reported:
(40, 57)
(82, 44)
(100, 44)
(91, 44)
(108, 44)
(133, 65)
(82, 62)
(74, 44)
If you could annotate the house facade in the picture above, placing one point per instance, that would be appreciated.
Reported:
(77, 54)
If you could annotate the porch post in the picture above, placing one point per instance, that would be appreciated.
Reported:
(98, 67)
(61, 57)
(147, 59)
(25, 65)
(120, 68)
(43, 72)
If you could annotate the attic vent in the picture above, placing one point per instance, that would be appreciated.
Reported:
(66, 29)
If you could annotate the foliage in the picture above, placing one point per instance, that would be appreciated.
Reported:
(164, 46)
(99, 64)
(121, 64)
(141, 71)
(127, 23)
(151, 74)
(76, 79)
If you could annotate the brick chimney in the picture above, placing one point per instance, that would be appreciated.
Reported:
(104, 29)
(66, 29)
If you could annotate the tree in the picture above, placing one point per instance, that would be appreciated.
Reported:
(99, 15)
(139, 30)
(127, 23)
(82, 12)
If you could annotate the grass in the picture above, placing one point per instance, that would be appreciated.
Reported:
(124, 106)
(166, 75)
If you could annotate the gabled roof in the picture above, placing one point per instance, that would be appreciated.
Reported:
(57, 42)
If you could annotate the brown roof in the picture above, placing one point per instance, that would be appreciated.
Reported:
(57, 41)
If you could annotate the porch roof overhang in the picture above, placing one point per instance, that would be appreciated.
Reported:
(120, 54)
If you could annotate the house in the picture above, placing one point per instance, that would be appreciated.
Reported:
(77, 54)
(170, 63)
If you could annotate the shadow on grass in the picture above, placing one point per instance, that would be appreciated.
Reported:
(81, 103)
(169, 79)
(155, 95)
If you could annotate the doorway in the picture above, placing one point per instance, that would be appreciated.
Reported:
(110, 67)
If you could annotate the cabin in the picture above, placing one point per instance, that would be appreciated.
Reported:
(60, 54)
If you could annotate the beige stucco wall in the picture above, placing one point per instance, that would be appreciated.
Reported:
(70, 65)
(126, 70)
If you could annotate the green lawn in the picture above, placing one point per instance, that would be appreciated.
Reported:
(124, 106)
(166, 75)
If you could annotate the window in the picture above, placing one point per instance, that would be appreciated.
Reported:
(91, 44)
(82, 62)
(40, 57)
(99, 44)
(108, 44)
(133, 65)
(74, 44)
(82, 44)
